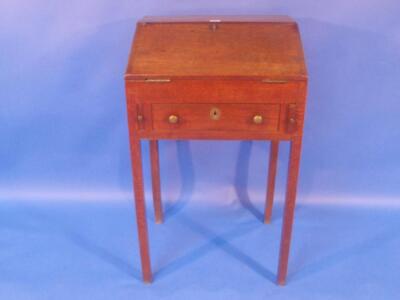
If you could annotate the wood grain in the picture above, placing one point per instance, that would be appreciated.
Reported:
(240, 90)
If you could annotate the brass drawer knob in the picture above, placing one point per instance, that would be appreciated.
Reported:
(257, 119)
(173, 119)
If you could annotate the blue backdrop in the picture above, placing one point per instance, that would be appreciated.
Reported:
(63, 127)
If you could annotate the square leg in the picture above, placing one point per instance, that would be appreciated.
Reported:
(288, 214)
(140, 206)
(155, 177)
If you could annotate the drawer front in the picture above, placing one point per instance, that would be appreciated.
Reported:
(249, 117)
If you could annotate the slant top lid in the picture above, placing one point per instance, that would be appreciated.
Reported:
(267, 47)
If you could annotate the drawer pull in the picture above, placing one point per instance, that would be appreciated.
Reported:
(172, 119)
(257, 119)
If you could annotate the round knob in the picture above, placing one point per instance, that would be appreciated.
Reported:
(172, 119)
(257, 119)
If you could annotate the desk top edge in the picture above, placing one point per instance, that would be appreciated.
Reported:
(165, 78)
(217, 19)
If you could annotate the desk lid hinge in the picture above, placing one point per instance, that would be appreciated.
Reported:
(273, 81)
(150, 80)
(157, 80)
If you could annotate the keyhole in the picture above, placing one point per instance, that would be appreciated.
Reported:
(215, 113)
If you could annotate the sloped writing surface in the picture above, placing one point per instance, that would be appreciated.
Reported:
(217, 48)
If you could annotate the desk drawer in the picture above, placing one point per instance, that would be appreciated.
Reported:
(204, 116)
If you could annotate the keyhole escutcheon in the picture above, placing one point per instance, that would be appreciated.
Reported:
(215, 113)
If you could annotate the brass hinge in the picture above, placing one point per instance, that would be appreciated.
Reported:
(273, 81)
(152, 80)
(157, 80)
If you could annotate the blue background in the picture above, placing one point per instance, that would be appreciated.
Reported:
(67, 220)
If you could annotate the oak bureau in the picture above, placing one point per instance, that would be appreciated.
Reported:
(220, 78)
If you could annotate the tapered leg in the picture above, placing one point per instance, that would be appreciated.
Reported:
(155, 177)
(293, 172)
(140, 207)
(273, 162)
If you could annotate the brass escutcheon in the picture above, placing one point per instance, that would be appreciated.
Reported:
(215, 113)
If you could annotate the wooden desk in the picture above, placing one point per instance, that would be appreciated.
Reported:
(216, 78)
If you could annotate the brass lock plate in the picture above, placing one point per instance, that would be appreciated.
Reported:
(215, 113)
